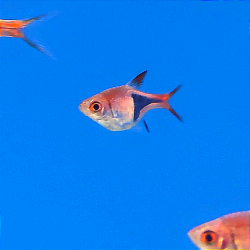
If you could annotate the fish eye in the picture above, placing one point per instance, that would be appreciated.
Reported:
(208, 237)
(95, 106)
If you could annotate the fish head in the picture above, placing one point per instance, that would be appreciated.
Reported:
(97, 108)
(112, 108)
(211, 235)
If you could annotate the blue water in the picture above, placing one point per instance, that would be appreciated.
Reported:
(68, 183)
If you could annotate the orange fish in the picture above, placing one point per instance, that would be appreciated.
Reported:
(227, 232)
(122, 107)
(13, 28)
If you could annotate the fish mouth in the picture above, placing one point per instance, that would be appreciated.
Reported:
(191, 235)
(82, 104)
(81, 108)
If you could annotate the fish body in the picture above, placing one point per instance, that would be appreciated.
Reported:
(121, 108)
(13, 28)
(227, 232)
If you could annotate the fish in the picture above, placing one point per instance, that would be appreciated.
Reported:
(120, 108)
(14, 28)
(227, 232)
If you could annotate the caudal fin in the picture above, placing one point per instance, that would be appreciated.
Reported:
(167, 106)
(36, 44)
(31, 20)
(175, 90)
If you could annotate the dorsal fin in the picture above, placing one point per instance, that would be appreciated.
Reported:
(137, 81)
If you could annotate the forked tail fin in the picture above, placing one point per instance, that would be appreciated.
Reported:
(36, 44)
(167, 106)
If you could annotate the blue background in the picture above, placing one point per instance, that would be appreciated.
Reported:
(69, 183)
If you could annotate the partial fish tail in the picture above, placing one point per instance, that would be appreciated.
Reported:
(166, 97)
(31, 20)
(33, 44)
(37, 46)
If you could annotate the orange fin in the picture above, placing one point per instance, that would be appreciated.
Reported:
(33, 44)
(167, 106)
